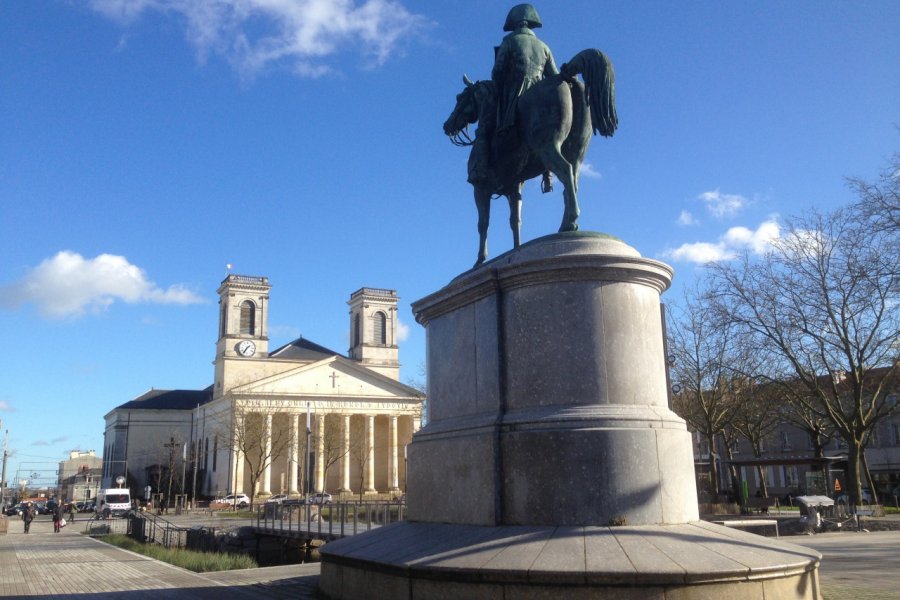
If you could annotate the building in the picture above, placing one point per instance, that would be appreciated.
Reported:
(299, 417)
(790, 467)
(79, 475)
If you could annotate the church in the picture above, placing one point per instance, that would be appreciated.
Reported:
(300, 418)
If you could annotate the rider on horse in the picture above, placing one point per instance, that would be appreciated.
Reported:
(521, 61)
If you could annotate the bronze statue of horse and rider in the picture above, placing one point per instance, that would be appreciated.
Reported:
(552, 126)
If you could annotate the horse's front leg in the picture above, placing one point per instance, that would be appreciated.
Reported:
(570, 216)
(515, 213)
(483, 204)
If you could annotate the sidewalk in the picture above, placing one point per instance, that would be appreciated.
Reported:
(862, 566)
(63, 565)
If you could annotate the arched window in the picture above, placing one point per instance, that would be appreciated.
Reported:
(248, 318)
(380, 332)
(356, 330)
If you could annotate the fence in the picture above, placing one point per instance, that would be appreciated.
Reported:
(143, 527)
(327, 521)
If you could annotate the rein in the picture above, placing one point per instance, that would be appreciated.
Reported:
(461, 138)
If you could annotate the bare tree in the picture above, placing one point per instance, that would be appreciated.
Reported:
(333, 449)
(250, 431)
(361, 453)
(756, 419)
(822, 304)
(700, 350)
(879, 203)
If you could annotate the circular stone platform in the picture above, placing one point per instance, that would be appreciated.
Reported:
(695, 560)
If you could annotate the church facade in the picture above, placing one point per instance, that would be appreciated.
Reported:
(299, 418)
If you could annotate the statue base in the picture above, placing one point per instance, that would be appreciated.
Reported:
(691, 561)
(551, 460)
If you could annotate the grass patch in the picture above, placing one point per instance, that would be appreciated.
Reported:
(199, 562)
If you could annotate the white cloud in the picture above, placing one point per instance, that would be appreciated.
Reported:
(758, 241)
(722, 205)
(69, 285)
(700, 252)
(687, 219)
(289, 332)
(402, 331)
(6, 406)
(588, 170)
(254, 34)
(734, 240)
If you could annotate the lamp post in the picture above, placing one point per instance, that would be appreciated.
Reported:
(306, 449)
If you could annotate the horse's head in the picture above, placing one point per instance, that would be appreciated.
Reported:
(464, 113)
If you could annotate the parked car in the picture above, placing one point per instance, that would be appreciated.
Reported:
(15, 510)
(319, 498)
(86, 506)
(277, 499)
(238, 500)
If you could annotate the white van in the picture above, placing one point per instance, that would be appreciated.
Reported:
(114, 501)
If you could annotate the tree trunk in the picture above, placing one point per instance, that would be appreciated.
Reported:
(854, 488)
(714, 472)
(868, 474)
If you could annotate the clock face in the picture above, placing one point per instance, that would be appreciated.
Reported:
(246, 348)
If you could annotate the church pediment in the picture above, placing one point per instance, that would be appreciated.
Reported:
(332, 377)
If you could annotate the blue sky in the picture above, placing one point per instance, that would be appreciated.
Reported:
(145, 144)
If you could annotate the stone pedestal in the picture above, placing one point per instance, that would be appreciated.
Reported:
(551, 464)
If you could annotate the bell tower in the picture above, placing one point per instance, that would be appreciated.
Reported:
(243, 323)
(373, 330)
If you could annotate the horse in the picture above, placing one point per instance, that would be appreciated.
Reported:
(554, 121)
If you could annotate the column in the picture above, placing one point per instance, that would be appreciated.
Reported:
(393, 471)
(267, 451)
(237, 484)
(293, 487)
(370, 455)
(345, 454)
(320, 453)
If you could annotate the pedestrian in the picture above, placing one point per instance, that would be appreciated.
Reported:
(28, 516)
(72, 510)
(58, 519)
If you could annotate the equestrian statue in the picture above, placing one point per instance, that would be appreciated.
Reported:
(533, 119)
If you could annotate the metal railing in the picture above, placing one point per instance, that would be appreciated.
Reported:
(142, 526)
(153, 529)
(100, 525)
(327, 521)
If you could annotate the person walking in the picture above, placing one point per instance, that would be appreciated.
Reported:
(28, 516)
(58, 512)
(72, 510)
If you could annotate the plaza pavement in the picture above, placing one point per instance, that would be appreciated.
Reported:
(862, 566)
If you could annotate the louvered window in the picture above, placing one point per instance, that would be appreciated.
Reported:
(380, 332)
(356, 330)
(248, 318)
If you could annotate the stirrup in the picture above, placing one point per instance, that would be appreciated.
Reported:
(547, 182)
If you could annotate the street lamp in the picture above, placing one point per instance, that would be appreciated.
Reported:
(306, 449)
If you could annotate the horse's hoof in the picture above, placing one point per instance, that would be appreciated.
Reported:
(568, 227)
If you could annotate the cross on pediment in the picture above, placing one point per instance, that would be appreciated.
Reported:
(333, 377)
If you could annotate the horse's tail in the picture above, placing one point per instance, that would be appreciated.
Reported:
(600, 86)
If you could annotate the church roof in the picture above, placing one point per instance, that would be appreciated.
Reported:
(170, 399)
(302, 349)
